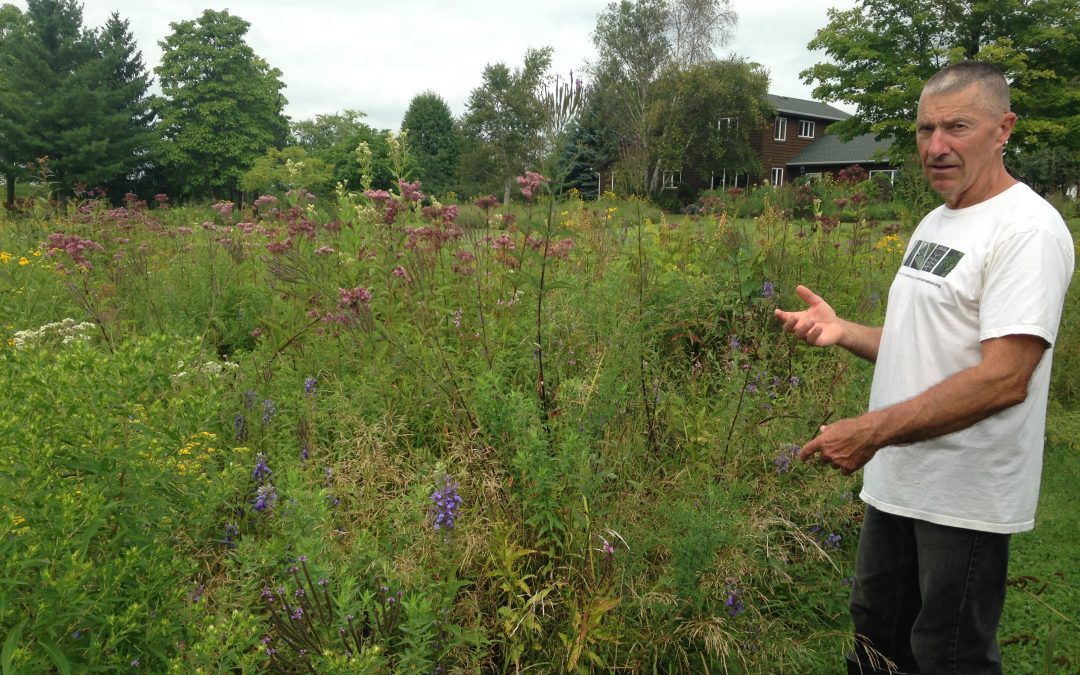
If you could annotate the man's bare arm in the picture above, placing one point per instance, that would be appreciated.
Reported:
(999, 381)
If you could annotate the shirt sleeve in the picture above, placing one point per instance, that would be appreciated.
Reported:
(1024, 285)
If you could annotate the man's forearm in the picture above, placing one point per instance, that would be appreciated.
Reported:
(963, 399)
(999, 381)
(860, 340)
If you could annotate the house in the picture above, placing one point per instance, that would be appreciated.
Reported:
(796, 143)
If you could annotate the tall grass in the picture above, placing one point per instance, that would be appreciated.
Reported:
(236, 453)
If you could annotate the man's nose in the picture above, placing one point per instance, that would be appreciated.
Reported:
(937, 145)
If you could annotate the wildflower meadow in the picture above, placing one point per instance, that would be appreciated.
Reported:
(379, 432)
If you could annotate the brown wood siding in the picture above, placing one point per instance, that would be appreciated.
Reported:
(776, 154)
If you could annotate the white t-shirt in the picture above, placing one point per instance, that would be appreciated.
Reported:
(1000, 267)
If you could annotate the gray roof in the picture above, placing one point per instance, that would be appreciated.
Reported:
(805, 108)
(831, 149)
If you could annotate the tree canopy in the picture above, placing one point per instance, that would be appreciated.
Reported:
(880, 53)
(333, 138)
(74, 95)
(433, 141)
(221, 104)
(503, 122)
(645, 49)
(691, 102)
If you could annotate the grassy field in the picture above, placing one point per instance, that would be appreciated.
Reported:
(324, 437)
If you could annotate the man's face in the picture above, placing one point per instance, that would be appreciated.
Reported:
(960, 141)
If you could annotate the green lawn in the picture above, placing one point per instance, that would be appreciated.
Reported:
(1040, 631)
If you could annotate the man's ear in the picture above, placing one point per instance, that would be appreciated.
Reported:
(1005, 129)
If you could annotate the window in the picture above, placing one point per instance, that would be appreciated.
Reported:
(724, 181)
(778, 177)
(780, 129)
(812, 177)
(725, 123)
(891, 173)
(806, 129)
(672, 179)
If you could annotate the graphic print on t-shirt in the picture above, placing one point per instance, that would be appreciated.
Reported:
(937, 259)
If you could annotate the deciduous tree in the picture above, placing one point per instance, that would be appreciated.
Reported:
(503, 122)
(880, 53)
(333, 138)
(221, 104)
(690, 103)
(697, 28)
(288, 169)
(638, 44)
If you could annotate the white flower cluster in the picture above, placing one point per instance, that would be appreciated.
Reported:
(208, 368)
(65, 331)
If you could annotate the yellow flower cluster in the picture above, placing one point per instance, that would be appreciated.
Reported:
(195, 451)
(890, 243)
(18, 525)
(6, 258)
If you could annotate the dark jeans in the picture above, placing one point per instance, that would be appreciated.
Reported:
(927, 597)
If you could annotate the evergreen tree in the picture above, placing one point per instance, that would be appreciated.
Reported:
(129, 120)
(45, 110)
(12, 26)
(75, 96)
(222, 104)
(433, 141)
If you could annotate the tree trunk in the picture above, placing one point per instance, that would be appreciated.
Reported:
(9, 201)
(654, 182)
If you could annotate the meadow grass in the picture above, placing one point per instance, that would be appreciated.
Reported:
(301, 438)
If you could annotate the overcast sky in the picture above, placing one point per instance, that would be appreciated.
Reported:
(374, 56)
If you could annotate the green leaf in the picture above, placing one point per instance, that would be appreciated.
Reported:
(7, 656)
(58, 657)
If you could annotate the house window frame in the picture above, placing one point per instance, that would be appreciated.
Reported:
(780, 129)
(777, 176)
(891, 172)
(671, 179)
(807, 128)
(727, 123)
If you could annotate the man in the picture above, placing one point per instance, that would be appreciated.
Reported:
(952, 445)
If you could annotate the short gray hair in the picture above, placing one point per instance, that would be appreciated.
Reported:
(993, 89)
